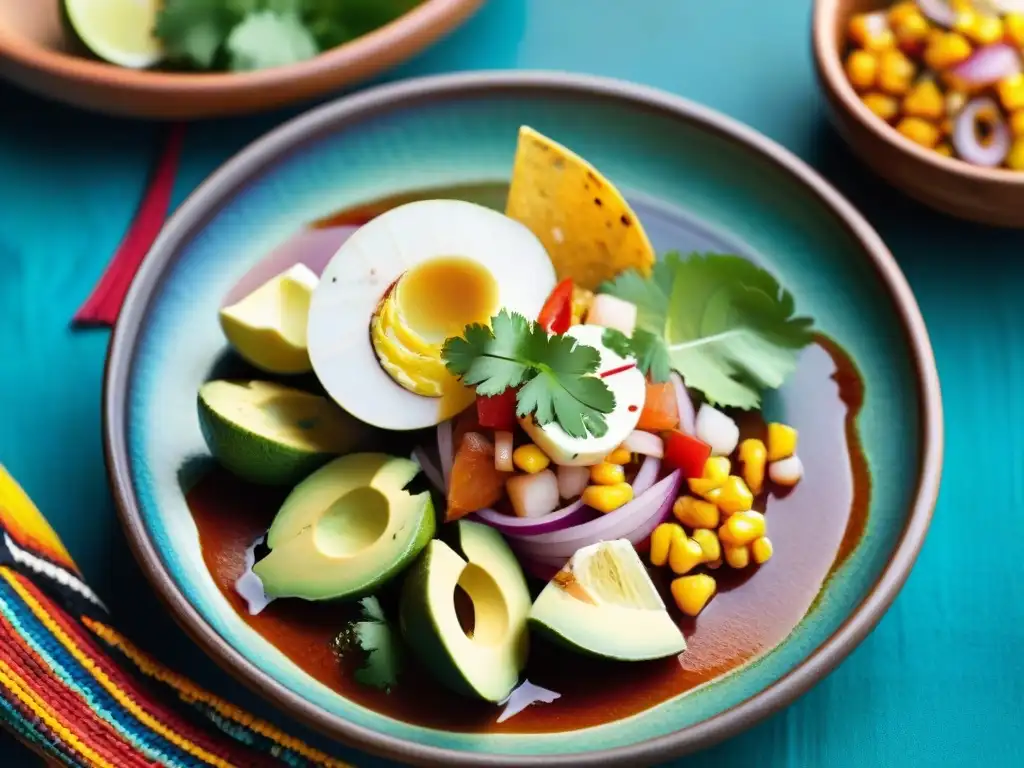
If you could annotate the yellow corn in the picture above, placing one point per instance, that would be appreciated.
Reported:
(781, 441)
(606, 473)
(695, 513)
(924, 100)
(871, 31)
(911, 32)
(944, 149)
(946, 129)
(1011, 92)
(753, 456)
(1017, 123)
(581, 301)
(619, 456)
(862, 69)
(978, 27)
(607, 498)
(946, 50)
(692, 593)
(530, 459)
(716, 469)
(742, 528)
(1014, 28)
(1015, 159)
(713, 495)
(737, 556)
(662, 540)
(883, 105)
(762, 550)
(684, 556)
(902, 11)
(895, 72)
(709, 544)
(734, 496)
(955, 101)
(920, 131)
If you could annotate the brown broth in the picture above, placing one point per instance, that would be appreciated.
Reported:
(813, 527)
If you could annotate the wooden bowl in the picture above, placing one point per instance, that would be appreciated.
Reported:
(985, 195)
(35, 54)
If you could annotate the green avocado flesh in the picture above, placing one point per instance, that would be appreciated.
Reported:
(486, 662)
(271, 434)
(603, 603)
(346, 530)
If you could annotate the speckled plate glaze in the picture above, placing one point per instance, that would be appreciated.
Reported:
(452, 130)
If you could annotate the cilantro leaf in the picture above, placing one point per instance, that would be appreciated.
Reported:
(722, 322)
(269, 39)
(555, 373)
(648, 349)
(377, 642)
(193, 31)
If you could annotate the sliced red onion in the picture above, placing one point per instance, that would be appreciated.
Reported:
(445, 449)
(939, 11)
(419, 455)
(687, 415)
(572, 481)
(646, 475)
(526, 695)
(645, 443)
(574, 514)
(1007, 6)
(987, 66)
(503, 451)
(965, 134)
(633, 521)
(533, 496)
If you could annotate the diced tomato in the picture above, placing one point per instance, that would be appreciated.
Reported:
(465, 422)
(497, 411)
(475, 483)
(686, 453)
(660, 411)
(556, 314)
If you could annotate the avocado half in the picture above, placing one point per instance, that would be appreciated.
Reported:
(487, 663)
(603, 603)
(347, 529)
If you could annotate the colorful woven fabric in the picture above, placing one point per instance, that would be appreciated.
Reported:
(79, 693)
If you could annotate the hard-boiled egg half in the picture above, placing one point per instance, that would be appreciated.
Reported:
(399, 287)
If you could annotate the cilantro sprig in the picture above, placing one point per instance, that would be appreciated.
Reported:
(554, 374)
(377, 643)
(722, 322)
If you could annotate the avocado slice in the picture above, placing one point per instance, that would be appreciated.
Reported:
(271, 434)
(487, 663)
(346, 530)
(603, 603)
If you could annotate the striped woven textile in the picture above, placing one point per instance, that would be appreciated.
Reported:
(80, 694)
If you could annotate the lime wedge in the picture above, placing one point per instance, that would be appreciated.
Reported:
(118, 31)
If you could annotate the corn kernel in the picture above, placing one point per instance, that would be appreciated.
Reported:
(786, 472)
(753, 457)
(1011, 92)
(781, 441)
(619, 456)
(581, 301)
(1015, 159)
(713, 495)
(946, 129)
(710, 546)
(530, 459)
(692, 593)
(607, 498)
(734, 496)
(871, 31)
(684, 556)
(607, 474)
(761, 549)
(920, 131)
(946, 50)
(862, 69)
(1017, 123)
(911, 33)
(737, 556)
(955, 101)
(979, 28)
(883, 105)
(716, 469)
(944, 149)
(742, 528)
(924, 100)
(714, 565)
(1013, 27)
(902, 11)
(895, 72)
(695, 513)
(662, 540)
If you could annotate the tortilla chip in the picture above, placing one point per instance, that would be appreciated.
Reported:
(585, 224)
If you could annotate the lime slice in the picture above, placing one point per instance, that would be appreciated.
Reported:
(118, 31)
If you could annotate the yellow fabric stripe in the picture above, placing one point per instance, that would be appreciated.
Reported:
(191, 692)
(11, 680)
(124, 700)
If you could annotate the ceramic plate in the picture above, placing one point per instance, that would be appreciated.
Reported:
(700, 182)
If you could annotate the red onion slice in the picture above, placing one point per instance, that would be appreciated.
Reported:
(644, 443)
(533, 496)
(574, 514)
(939, 11)
(987, 66)
(445, 449)
(634, 521)
(687, 414)
(646, 475)
(572, 480)
(419, 455)
(965, 134)
(1007, 6)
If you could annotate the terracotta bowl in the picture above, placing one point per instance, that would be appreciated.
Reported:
(35, 54)
(989, 196)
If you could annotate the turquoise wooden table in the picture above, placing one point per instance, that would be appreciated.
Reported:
(940, 682)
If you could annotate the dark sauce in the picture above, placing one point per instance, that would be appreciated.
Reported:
(813, 527)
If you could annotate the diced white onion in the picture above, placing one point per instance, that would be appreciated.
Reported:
(645, 443)
(533, 495)
(503, 451)
(572, 481)
(612, 312)
(717, 430)
(786, 471)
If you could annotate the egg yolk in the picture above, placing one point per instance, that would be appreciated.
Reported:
(431, 302)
